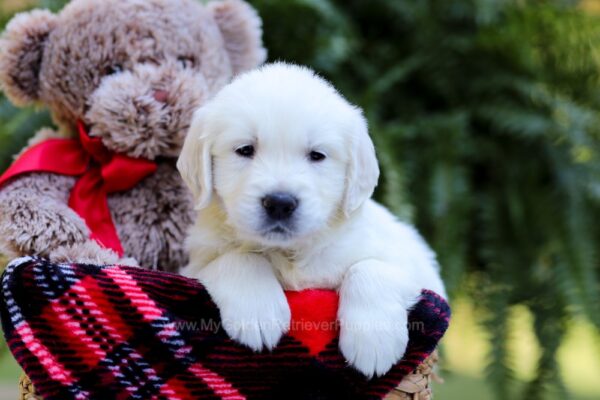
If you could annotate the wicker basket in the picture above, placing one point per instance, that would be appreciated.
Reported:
(26, 389)
(416, 386)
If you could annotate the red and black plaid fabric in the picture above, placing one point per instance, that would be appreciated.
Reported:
(91, 332)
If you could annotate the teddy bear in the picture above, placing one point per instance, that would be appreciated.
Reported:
(121, 79)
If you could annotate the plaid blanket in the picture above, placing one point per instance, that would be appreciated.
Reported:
(114, 332)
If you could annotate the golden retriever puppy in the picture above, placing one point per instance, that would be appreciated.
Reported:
(282, 169)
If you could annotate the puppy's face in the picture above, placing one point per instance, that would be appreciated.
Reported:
(279, 178)
(283, 153)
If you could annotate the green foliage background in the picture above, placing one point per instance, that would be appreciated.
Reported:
(486, 118)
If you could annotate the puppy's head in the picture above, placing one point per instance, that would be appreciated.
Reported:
(282, 152)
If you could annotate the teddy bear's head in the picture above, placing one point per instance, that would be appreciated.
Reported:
(133, 71)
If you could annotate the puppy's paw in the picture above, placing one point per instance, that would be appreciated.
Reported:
(257, 323)
(254, 309)
(372, 341)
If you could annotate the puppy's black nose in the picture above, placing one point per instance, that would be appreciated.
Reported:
(279, 205)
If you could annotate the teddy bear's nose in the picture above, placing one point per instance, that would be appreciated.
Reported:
(160, 95)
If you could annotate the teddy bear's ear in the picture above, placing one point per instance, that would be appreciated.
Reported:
(21, 50)
(241, 28)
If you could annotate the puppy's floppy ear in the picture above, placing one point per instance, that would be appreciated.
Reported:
(21, 53)
(241, 28)
(195, 162)
(363, 170)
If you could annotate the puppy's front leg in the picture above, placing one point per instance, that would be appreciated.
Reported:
(254, 309)
(374, 301)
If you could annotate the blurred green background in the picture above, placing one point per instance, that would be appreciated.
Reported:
(486, 116)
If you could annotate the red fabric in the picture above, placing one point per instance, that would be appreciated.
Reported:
(314, 318)
(100, 172)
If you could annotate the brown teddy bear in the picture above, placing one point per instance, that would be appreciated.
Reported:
(122, 77)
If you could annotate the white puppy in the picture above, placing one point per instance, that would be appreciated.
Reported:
(282, 168)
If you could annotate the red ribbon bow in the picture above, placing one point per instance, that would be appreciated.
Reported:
(100, 172)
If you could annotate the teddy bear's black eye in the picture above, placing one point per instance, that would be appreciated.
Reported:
(246, 151)
(186, 61)
(316, 156)
(113, 69)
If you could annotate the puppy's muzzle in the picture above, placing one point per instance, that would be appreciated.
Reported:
(279, 206)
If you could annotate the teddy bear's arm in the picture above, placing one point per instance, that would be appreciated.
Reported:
(35, 218)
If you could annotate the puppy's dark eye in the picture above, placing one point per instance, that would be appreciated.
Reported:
(245, 151)
(186, 61)
(316, 156)
(113, 69)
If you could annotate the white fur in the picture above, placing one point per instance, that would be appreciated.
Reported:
(340, 238)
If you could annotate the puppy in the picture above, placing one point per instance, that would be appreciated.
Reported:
(282, 169)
